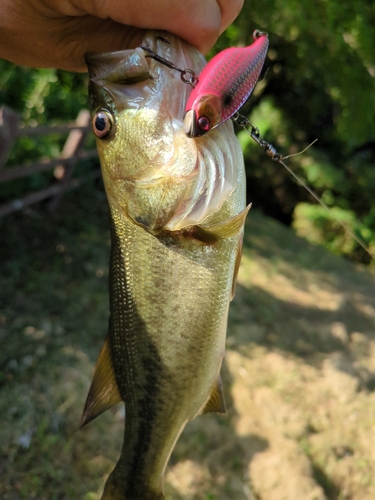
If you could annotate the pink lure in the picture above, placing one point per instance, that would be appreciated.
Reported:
(224, 86)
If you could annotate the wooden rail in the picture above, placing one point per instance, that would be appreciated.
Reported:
(72, 152)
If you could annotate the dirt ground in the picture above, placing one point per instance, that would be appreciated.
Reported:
(299, 371)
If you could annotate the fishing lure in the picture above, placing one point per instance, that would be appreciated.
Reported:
(224, 86)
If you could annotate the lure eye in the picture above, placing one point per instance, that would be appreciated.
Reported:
(204, 123)
(102, 124)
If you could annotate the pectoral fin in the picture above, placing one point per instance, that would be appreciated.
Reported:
(237, 266)
(103, 392)
(210, 234)
(216, 403)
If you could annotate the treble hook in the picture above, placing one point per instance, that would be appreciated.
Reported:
(192, 79)
(254, 133)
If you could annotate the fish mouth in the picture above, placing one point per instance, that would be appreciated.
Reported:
(190, 125)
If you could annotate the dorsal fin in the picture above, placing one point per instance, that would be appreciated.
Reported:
(103, 392)
(216, 402)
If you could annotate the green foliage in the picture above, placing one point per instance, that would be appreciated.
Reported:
(41, 96)
(320, 84)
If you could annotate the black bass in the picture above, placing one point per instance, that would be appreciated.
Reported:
(177, 209)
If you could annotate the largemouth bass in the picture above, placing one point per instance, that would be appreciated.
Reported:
(177, 208)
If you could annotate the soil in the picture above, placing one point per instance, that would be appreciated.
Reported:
(299, 371)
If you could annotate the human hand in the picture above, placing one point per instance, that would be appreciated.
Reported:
(57, 33)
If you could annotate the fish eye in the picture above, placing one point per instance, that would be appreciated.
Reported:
(204, 123)
(102, 124)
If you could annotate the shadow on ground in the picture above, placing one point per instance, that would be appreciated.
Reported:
(299, 372)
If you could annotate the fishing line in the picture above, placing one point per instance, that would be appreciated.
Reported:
(270, 150)
(301, 152)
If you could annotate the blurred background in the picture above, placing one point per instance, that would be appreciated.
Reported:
(320, 85)
(299, 372)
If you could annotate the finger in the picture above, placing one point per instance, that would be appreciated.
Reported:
(229, 12)
(199, 22)
(91, 34)
(62, 42)
(196, 21)
(62, 31)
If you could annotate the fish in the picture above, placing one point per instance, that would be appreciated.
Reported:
(224, 86)
(177, 210)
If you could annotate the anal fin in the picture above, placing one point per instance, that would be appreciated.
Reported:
(216, 402)
(103, 392)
